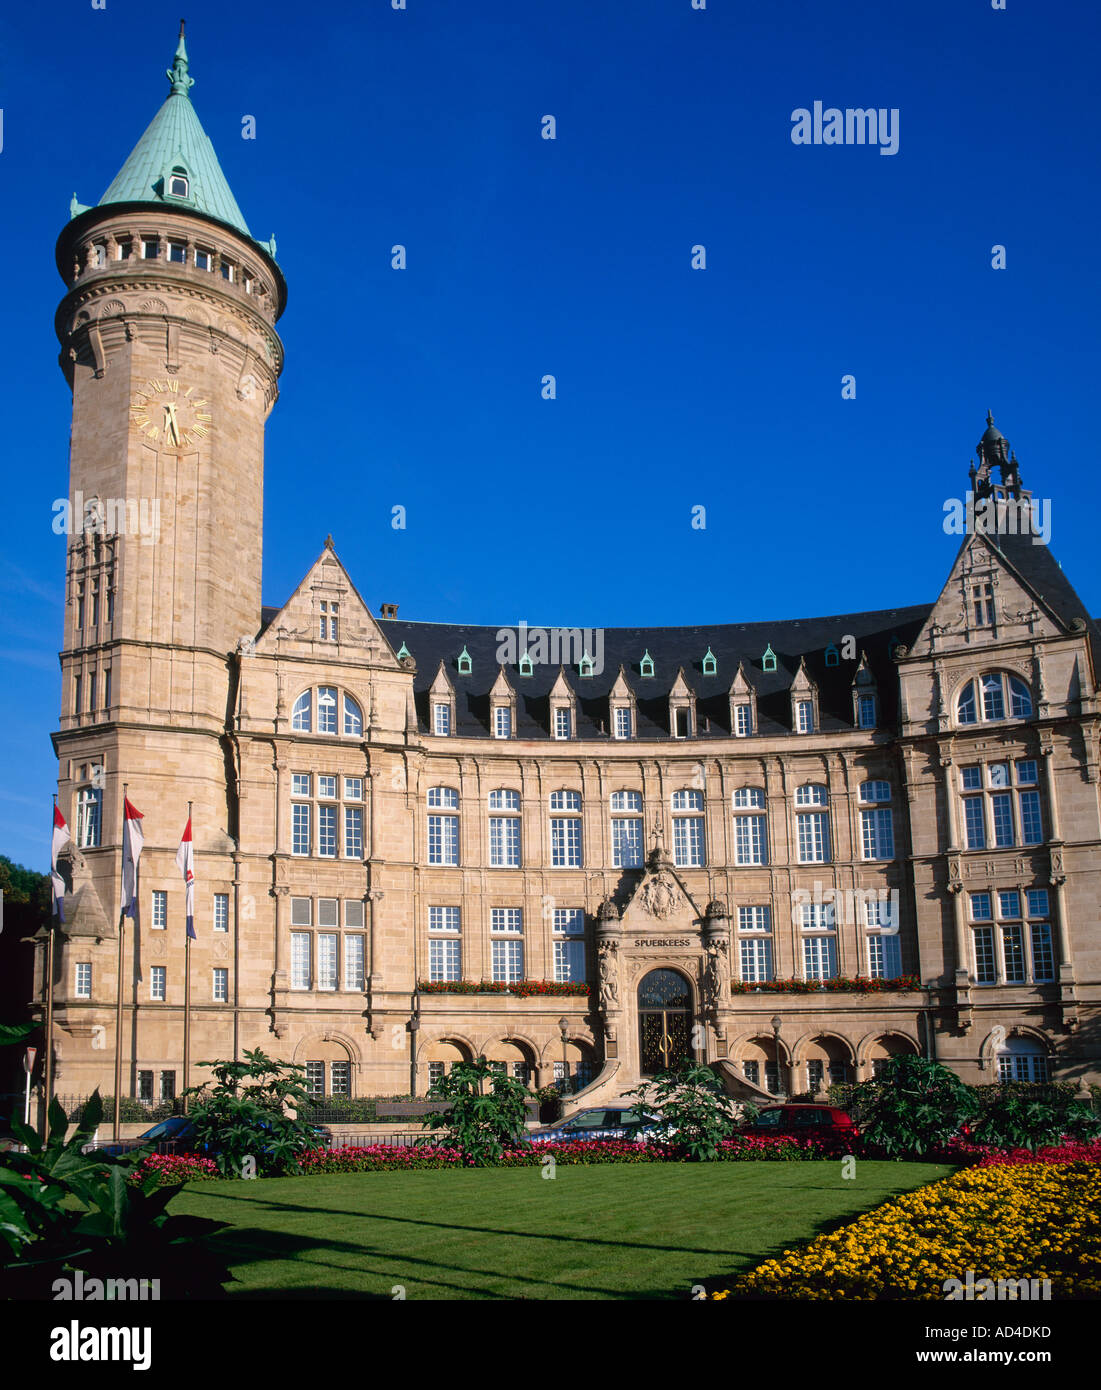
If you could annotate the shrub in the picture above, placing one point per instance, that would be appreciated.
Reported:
(692, 1107)
(912, 1107)
(243, 1117)
(482, 1123)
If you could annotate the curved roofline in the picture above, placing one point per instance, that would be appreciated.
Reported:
(103, 210)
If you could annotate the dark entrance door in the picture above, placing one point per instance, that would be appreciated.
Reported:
(664, 1021)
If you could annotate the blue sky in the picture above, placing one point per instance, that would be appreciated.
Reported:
(676, 388)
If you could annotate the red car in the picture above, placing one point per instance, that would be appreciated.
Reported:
(802, 1119)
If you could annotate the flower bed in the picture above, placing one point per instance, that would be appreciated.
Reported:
(988, 1156)
(852, 984)
(173, 1168)
(1029, 1221)
(524, 989)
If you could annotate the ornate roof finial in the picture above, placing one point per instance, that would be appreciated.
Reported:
(177, 73)
(989, 417)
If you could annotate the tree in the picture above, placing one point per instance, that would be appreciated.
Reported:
(912, 1107)
(694, 1112)
(482, 1123)
(242, 1116)
(23, 885)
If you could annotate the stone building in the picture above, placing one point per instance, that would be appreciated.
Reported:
(790, 849)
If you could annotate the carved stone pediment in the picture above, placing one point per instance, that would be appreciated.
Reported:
(659, 895)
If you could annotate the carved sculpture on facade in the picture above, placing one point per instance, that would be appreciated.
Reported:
(659, 896)
(715, 976)
(606, 977)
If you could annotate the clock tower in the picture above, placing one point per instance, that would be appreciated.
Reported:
(168, 342)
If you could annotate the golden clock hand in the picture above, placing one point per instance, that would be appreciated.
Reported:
(170, 424)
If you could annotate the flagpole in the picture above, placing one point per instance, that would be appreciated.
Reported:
(118, 1005)
(187, 987)
(50, 990)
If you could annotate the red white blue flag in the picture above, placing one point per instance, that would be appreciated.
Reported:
(185, 862)
(132, 842)
(61, 838)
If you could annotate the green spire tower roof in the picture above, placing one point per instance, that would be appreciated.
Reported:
(174, 142)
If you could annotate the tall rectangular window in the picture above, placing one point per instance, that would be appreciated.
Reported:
(158, 982)
(443, 959)
(884, 957)
(985, 968)
(159, 916)
(107, 688)
(569, 943)
(755, 958)
(565, 842)
(353, 963)
(315, 1078)
(88, 806)
(145, 1086)
(168, 1085)
(504, 841)
(220, 985)
(441, 719)
(443, 919)
(326, 831)
(221, 912)
(502, 722)
(353, 832)
(1013, 946)
(443, 839)
(626, 843)
(78, 694)
(974, 823)
(82, 984)
(743, 721)
(326, 960)
(867, 711)
(688, 841)
(508, 960)
(877, 834)
(622, 722)
(340, 1078)
(819, 957)
(300, 960)
(750, 840)
(813, 837)
(1032, 830)
(562, 722)
(1001, 808)
(300, 828)
(804, 716)
(1043, 957)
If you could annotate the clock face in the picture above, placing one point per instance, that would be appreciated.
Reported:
(169, 413)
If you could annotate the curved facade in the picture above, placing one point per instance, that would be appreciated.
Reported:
(788, 848)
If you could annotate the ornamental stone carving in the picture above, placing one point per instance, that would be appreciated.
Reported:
(607, 980)
(659, 896)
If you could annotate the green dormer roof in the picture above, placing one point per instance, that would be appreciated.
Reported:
(174, 140)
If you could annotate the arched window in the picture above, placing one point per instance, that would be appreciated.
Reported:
(503, 800)
(746, 797)
(811, 794)
(326, 709)
(353, 717)
(875, 791)
(301, 714)
(1022, 1059)
(991, 696)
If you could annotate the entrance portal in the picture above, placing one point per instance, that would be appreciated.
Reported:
(664, 1021)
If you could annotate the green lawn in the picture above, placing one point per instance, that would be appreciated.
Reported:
(613, 1231)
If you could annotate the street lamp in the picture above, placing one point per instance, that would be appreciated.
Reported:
(414, 1024)
(777, 1023)
(563, 1028)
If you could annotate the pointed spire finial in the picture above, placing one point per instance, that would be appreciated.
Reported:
(177, 73)
(989, 417)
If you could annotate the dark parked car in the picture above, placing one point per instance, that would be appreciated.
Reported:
(802, 1120)
(176, 1135)
(607, 1122)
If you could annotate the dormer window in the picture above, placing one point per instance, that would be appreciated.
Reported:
(525, 664)
(646, 665)
(833, 656)
(178, 185)
(682, 722)
(804, 716)
(466, 665)
(585, 665)
(768, 660)
(710, 665)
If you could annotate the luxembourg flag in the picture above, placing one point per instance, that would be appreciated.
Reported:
(185, 862)
(132, 842)
(60, 840)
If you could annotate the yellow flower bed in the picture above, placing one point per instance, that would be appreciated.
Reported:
(1033, 1221)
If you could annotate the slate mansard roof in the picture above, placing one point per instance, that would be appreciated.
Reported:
(671, 649)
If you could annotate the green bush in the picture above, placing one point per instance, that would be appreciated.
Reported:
(912, 1107)
(1028, 1117)
(242, 1121)
(481, 1123)
(694, 1112)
